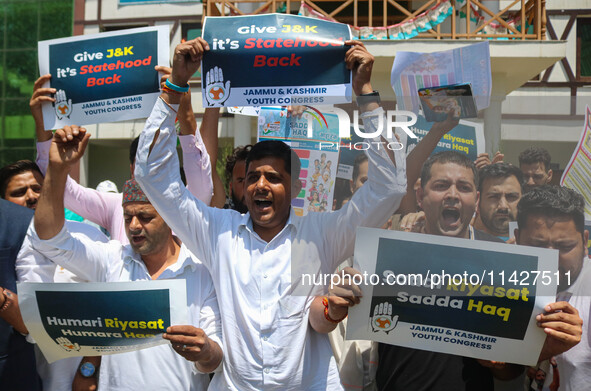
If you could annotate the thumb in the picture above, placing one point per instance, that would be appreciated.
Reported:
(83, 143)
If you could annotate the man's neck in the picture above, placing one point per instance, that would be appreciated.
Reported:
(158, 261)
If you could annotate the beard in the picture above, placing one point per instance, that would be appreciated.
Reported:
(239, 205)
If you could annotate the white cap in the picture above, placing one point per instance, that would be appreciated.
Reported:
(107, 187)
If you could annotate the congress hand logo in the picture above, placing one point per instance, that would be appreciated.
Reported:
(382, 319)
(67, 345)
(216, 92)
(63, 106)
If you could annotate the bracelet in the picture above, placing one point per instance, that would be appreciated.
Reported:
(326, 315)
(370, 97)
(176, 88)
(7, 300)
(170, 90)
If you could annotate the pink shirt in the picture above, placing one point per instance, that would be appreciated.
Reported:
(105, 209)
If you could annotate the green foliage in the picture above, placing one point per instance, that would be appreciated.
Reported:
(22, 24)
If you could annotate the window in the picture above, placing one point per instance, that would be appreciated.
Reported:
(584, 49)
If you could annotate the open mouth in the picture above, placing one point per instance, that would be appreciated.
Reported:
(262, 204)
(137, 239)
(450, 216)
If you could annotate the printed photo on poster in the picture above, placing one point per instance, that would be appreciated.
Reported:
(318, 154)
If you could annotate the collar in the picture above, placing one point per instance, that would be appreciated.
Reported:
(246, 222)
(185, 259)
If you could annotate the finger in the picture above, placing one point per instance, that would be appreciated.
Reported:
(43, 92)
(163, 69)
(350, 295)
(187, 340)
(83, 143)
(41, 80)
(41, 99)
(566, 328)
(60, 136)
(561, 337)
(563, 306)
(185, 330)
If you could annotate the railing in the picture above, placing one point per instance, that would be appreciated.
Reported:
(469, 19)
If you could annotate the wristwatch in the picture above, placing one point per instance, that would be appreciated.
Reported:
(370, 97)
(87, 369)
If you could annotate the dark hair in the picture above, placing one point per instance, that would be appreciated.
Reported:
(447, 157)
(133, 149)
(277, 149)
(499, 170)
(10, 170)
(359, 159)
(552, 201)
(534, 155)
(238, 154)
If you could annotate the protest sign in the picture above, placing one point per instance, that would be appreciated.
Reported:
(274, 59)
(470, 64)
(318, 154)
(466, 138)
(578, 171)
(471, 298)
(103, 77)
(94, 319)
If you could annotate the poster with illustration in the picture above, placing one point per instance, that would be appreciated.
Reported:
(318, 153)
(413, 71)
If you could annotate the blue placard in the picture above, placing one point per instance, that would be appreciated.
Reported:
(103, 77)
(273, 59)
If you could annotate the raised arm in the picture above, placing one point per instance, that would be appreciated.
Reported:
(92, 205)
(157, 165)
(79, 253)
(196, 163)
(380, 196)
(209, 134)
(66, 149)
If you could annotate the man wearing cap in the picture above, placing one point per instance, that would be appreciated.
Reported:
(153, 253)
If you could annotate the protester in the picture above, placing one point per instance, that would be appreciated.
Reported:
(250, 256)
(448, 196)
(153, 253)
(104, 209)
(235, 172)
(500, 190)
(553, 217)
(17, 360)
(534, 162)
(21, 183)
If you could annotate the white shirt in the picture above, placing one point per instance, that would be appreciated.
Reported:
(268, 342)
(574, 365)
(155, 368)
(32, 266)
